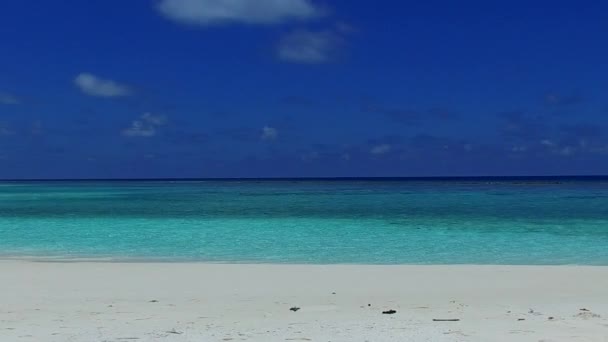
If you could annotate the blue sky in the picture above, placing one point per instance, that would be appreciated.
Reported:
(271, 88)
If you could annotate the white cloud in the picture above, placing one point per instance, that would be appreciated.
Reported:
(567, 151)
(215, 12)
(311, 47)
(547, 142)
(156, 120)
(139, 129)
(8, 99)
(145, 126)
(95, 86)
(380, 149)
(269, 133)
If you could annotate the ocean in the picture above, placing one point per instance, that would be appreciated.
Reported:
(532, 221)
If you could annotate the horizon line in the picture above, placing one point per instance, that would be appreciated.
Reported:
(379, 178)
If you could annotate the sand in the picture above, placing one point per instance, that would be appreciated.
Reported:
(88, 301)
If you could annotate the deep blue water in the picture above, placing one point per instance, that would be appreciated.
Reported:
(560, 220)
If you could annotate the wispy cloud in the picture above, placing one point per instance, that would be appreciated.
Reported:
(547, 142)
(37, 128)
(216, 12)
(574, 139)
(146, 126)
(95, 86)
(517, 125)
(5, 131)
(583, 130)
(554, 99)
(519, 148)
(310, 47)
(269, 133)
(9, 99)
(567, 151)
(310, 156)
(380, 149)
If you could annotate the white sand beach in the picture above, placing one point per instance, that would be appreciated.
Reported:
(87, 301)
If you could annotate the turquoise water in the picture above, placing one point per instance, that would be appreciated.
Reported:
(347, 221)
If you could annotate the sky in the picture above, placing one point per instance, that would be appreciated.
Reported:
(302, 88)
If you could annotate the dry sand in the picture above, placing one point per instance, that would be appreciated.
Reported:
(86, 301)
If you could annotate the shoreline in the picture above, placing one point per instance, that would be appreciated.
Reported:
(110, 301)
(162, 261)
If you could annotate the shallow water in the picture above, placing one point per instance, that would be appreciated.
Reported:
(449, 221)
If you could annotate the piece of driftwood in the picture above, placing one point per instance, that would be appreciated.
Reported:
(446, 319)
(294, 309)
(389, 312)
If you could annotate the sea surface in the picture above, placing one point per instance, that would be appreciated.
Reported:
(552, 221)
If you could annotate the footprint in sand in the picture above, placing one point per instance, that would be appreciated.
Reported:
(587, 315)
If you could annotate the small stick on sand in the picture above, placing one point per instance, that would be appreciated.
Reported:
(446, 319)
